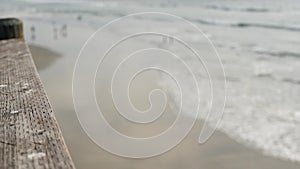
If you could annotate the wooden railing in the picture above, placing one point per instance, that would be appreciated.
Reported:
(29, 134)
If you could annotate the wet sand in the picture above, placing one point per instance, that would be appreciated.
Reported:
(219, 152)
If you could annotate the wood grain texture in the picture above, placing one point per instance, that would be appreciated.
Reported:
(29, 134)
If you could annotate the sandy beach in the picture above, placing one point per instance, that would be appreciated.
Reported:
(219, 152)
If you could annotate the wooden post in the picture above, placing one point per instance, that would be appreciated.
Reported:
(29, 133)
(11, 28)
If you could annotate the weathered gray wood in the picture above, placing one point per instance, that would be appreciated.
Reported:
(11, 28)
(29, 134)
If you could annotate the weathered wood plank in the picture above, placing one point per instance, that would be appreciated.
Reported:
(29, 134)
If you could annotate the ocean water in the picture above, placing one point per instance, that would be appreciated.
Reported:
(258, 42)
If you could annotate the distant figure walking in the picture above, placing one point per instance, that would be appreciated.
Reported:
(32, 30)
(55, 31)
(79, 17)
(164, 40)
(171, 40)
(64, 31)
(168, 40)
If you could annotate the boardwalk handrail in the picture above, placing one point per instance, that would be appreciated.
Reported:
(29, 133)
